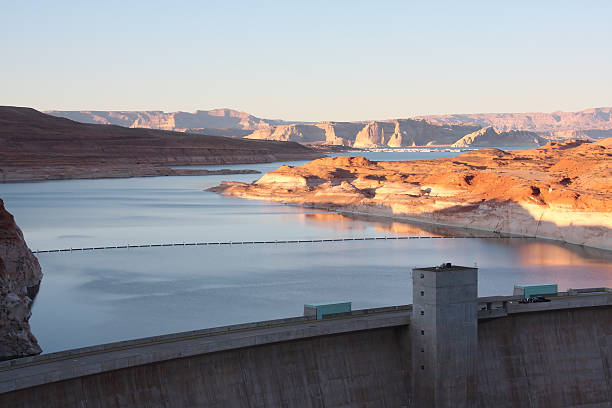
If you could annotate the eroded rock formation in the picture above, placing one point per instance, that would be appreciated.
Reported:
(395, 133)
(490, 137)
(20, 276)
(561, 191)
(330, 133)
(595, 122)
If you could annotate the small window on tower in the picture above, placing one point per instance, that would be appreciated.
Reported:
(422, 332)
(422, 275)
(422, 313)
(422, 293)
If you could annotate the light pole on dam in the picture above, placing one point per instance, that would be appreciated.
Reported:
(444, 336)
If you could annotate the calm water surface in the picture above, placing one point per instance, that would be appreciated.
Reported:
(101, 296)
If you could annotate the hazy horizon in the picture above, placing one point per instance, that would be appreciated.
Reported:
(346, 61)
(193, 111)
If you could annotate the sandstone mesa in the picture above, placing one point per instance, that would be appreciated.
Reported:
(595, 123)
(178, 121)
(561, 191)
(589, 123)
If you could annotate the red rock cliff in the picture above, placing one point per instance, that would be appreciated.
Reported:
(20, 276)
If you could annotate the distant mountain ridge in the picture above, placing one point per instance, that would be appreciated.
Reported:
(427, 130)
(177, 121)
(590, 123)
(36, 146)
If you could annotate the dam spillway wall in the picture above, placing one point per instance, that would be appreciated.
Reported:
(549, 358)
(560, 358)
(366, 368)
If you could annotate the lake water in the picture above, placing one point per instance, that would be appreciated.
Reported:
(101, 296)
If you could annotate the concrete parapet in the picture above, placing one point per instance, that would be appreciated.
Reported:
(32, 371)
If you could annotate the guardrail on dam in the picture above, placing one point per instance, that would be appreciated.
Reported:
(550, 354)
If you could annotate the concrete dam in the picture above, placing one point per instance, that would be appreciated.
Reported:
(448, 349)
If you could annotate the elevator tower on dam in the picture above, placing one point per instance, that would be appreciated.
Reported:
(444, 336)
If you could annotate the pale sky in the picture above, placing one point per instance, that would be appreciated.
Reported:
(307, 60)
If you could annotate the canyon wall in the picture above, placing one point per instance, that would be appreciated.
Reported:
(35, 146)
(214, 119)
(396, 133)
(20, 277)
(418, 131)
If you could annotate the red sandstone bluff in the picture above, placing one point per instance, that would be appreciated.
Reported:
(20, 277)
(561, 191)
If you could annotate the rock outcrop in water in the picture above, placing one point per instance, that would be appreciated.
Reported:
(560, 191)
(20, 276)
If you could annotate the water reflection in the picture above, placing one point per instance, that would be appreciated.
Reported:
(547, 253)
(348, 221)
(332, 221)
(92, 297)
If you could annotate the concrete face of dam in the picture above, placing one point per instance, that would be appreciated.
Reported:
(556, 354)
(560, 358)
(368, 368)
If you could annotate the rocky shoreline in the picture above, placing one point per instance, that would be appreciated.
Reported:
(27, 174)
(561, 191)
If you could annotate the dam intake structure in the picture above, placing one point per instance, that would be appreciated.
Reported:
(449, 348)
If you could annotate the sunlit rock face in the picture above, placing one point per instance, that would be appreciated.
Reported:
(394, 133)
(290, 133)
(20, 276)
(409, 132)
(216, 119)
(561, 191)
